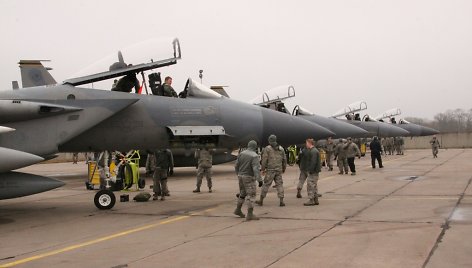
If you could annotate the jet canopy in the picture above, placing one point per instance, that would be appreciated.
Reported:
(389, 114)
(351, 109)
(298, 110)
(140, 57)
(277, 94)
(194, 89)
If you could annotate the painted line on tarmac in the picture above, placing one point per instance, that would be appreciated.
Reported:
(92, 242)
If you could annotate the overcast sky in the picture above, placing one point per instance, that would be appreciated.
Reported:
(414, 55)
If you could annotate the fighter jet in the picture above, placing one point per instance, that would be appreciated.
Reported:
(274, 99)
(373, 127)
(42, 121)
(414, 130)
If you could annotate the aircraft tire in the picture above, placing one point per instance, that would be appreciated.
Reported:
(141, 183)
(104, 199)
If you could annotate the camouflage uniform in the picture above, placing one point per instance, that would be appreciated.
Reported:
(340, 153)
(351, 152)
(303, 158)
(248, 169)
(205, 161)
(313, 169)
(401, 145)
(161, 165)
(168, 91)
(435, 146)
(329, 148)
(274, 163)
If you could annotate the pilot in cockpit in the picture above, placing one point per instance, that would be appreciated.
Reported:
(357, 117)
(392, 120)
(126, 83)
(168, 91)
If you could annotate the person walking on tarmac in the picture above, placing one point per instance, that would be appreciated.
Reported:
(302, 163)
(168, 91)
(162, 164)
(340, 155)
(435, 146)
(313, 169)
(205, 162)
(329, 147)
(274, 163)
(248, 169)
(352, 150)
(376, 151)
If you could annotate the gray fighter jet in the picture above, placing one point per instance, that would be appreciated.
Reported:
(274, 99)
(39, 122)
(414, 130)
(373, 127)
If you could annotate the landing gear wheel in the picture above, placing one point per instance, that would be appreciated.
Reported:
(104, 199)
(141, 183)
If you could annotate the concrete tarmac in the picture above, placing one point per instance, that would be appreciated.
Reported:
(415, 212)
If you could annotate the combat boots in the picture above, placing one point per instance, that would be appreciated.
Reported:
(310, 202)
(316, 200)
(209, 190)
(282, 204)
(299, 194)
(238, 211)
(250, 215)
(261, 201)
(197, 190)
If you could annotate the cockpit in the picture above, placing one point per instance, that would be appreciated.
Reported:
(273, 98)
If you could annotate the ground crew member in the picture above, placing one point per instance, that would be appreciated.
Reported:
(384, 146)
(274, 163)
(390, 142)
(329, 148)
(313, 168)
(340, 154)
(168, 91)
(205, 162)
(302, 158)
(248, 169)
(375, 152)
(401, 145)
(126, 84)
(163, 160)
(75, 158)
(435, 146)
(352, 150)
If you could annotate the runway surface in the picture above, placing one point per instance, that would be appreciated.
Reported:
(415, 212)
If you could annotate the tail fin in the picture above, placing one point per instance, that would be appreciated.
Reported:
(33, 74)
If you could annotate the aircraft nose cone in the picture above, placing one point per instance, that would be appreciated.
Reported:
(386, 130)
(427, 131)
(290, 129)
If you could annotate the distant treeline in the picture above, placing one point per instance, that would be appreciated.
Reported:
(451, 121)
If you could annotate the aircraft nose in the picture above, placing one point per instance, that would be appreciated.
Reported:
(344, 130)
(392, 131)
(427, 131)
(290, 129)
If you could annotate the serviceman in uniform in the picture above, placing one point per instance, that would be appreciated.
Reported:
(167, 88)
(205, 162)
(161, 168)
(375, 152)
(274, 163)
(401, 145)
(352, 150)
(329, 148)
(249, 170)
(313, 168)
(302, 163)
(340, 155)
(435, 146)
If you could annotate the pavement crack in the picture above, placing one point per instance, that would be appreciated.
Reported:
(446, 226)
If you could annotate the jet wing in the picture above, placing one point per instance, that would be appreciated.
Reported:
(134, 69)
